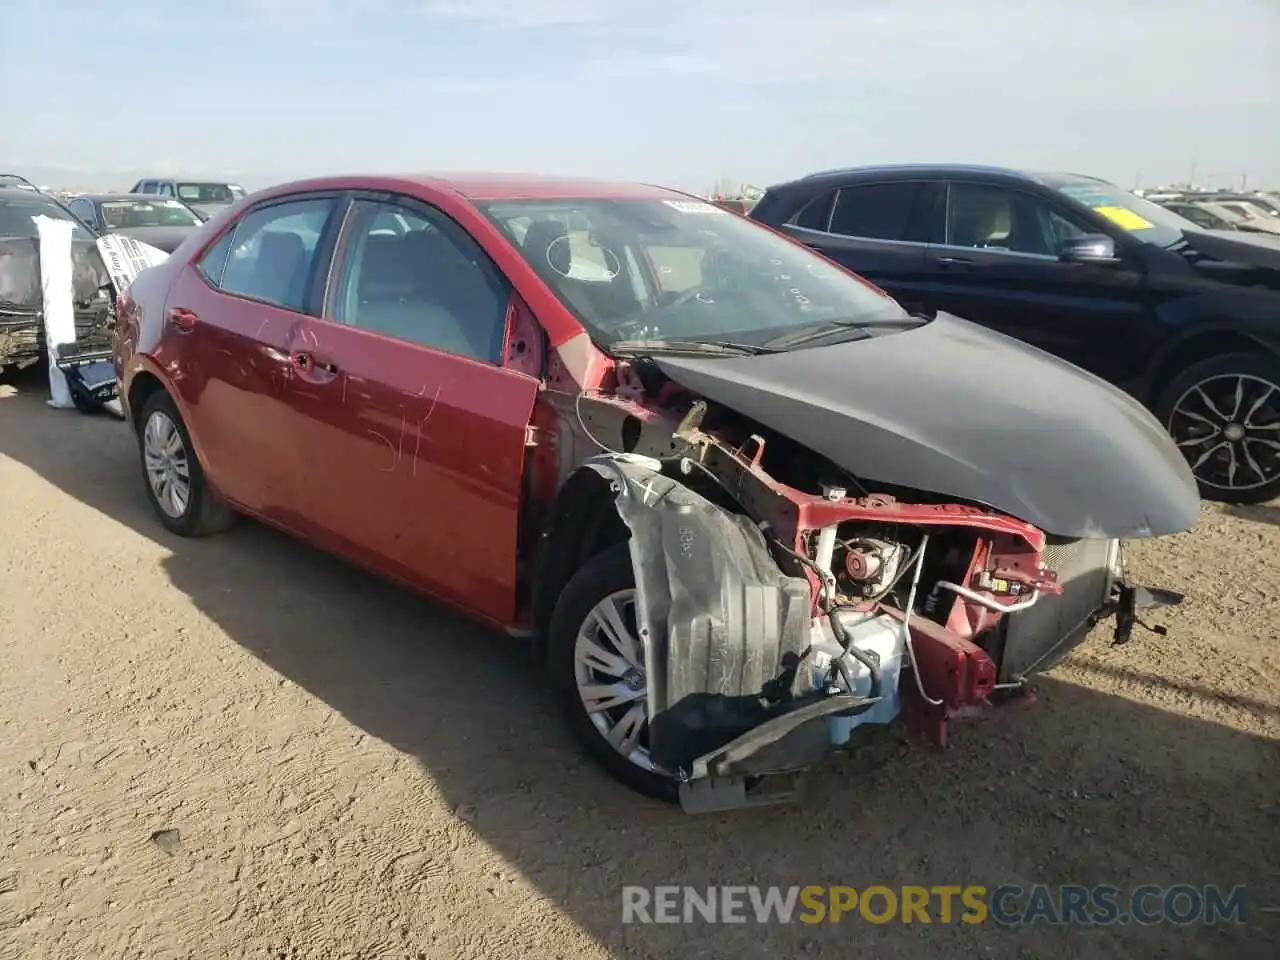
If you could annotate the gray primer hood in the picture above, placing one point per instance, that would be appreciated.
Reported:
(954, 409)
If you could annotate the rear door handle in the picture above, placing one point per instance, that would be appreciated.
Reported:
(307, 362)
(182, 319)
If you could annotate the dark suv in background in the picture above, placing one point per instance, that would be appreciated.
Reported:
(1185, 319)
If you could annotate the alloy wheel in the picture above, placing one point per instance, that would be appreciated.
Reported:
(1228, 428)
(609, 672)
(168, 470)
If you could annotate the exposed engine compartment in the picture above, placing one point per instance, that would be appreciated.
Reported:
(787, 601)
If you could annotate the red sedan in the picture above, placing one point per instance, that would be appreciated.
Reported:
(745, 501)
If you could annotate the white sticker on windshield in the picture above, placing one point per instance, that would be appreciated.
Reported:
(694, 206)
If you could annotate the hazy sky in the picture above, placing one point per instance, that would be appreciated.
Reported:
(678, 91)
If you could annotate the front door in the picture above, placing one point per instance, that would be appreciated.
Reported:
(999, 267)
(415, 433)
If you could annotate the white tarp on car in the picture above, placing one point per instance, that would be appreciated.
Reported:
(57, 290)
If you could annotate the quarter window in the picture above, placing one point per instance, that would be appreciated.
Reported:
(420, 277)
(272, 254)
(215, 258)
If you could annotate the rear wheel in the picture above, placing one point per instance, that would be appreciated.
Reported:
(1224, 414)
(597, 661)
(174, 479)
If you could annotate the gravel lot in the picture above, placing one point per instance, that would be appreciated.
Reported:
(352, 773)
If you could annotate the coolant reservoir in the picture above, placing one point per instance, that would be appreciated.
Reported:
(882, 636)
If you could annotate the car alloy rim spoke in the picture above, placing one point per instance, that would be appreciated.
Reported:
(606, 696)
(625, 734)
(610, 619)
(1239, 450)
(608, 662)
(599, 659)
(1210, 404)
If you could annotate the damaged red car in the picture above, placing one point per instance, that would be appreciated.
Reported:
(742, 500)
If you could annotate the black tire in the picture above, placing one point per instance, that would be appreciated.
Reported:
(1253, 367)
(606, 573)
(205, 513)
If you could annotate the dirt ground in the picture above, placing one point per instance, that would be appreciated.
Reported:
(352, 773)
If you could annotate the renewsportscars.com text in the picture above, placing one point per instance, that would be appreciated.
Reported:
(1008, 905)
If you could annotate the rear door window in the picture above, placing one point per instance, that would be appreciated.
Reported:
(901, 210)
(272, 257)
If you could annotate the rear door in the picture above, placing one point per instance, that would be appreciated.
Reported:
(998, 266)
(231, 317)
(414, 432)
(878, 230)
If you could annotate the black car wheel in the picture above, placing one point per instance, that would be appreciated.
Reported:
(175, 481)
(597, 662)
(1224, 414)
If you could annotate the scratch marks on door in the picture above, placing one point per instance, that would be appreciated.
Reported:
(412, 433)
(395, 454)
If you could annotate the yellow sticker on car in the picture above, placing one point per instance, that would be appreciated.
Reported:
(1124, 217)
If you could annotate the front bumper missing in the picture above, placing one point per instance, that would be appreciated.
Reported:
(726, 633)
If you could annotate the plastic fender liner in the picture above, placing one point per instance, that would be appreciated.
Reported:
(722, 624)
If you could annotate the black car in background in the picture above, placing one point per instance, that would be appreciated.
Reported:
(162, 222)
(1185, 319)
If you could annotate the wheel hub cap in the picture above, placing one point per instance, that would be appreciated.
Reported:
(608, 667)
(1228, 428)
(165, 458)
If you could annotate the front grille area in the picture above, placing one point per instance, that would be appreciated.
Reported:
(1036, 637)
(22, 338)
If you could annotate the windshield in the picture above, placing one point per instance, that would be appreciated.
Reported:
(147, 213)
(209, 192)
(1143, 219)
(16, 214)
(680, 270)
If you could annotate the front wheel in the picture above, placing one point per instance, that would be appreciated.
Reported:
(175, 480)
(597, 661)
(1224, 415)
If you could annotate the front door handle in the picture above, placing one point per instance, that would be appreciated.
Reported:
(955, 261)
(306, 362)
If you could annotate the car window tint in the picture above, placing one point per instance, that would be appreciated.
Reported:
(272, 254)
(998, 218)
(816, 214)
(420, 278)
(877, 211)
(215, 258)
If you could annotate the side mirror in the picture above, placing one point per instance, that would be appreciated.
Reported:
(1088, 248)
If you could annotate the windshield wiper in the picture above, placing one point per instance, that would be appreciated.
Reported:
(722, 348)
(829, 328)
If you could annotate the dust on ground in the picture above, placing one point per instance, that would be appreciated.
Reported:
(241, 747)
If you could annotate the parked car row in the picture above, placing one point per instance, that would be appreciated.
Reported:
(744, 500)
(1219, 210)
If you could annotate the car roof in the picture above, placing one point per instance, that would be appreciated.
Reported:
(490, 186)
(124, 195)
(906, 171)
(9, 192)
